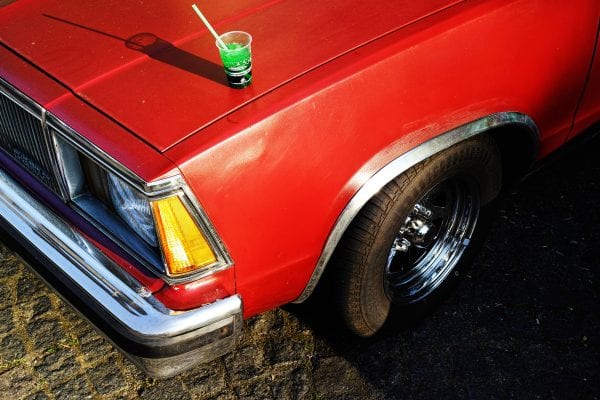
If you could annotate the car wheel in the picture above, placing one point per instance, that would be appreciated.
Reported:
(406, 246)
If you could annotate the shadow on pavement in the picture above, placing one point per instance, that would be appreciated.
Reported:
(524, 322)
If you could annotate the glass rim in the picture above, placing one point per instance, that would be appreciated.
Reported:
(249, 36)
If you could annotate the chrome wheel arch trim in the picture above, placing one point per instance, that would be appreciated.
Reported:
(398, 166)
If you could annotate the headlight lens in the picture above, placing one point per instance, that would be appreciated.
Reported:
(158, 223)
(184, 246)
(133, 207)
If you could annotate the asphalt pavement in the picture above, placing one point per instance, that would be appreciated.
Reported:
(523, 324)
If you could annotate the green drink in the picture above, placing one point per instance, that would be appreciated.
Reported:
(237, 58)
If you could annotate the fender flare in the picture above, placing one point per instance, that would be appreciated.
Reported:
(401, 164)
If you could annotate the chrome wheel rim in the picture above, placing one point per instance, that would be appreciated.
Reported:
(431, 241)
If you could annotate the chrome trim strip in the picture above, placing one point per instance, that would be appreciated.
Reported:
(397, 167)
(223, 259)
(197, 211)
(50, 141)
(155, 190)
(113, 294)
(111, 225)
(99, 156)
(25, 102)
(54, 128)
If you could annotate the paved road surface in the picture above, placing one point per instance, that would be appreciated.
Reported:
(524, 323)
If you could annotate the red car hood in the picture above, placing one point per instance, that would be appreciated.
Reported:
(153, 67)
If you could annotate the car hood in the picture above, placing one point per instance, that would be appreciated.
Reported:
(153, 67)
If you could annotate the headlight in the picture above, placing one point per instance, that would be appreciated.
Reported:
(133, 207)
(161, 228)
(159, 223)
(184, 247)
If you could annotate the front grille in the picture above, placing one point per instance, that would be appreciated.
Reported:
(23, 138)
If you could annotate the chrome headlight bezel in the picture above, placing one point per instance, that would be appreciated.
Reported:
(68, 143)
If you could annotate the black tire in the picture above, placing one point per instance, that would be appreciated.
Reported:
(433, 210)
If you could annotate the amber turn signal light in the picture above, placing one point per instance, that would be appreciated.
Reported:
(184, 246)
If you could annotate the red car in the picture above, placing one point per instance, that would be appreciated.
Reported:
(167, 207)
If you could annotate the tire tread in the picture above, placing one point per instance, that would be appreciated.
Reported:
(350, 262)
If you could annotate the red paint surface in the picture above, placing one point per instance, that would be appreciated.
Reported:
(116, 141)
(22, 75)
(202, 291)
(179, 86)
(46, 92)
(589, 110)
(274, 168)
(275, 175)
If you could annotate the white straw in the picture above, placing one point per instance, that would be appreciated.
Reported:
(209, 26)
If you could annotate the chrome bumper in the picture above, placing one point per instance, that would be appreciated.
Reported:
(162, 342)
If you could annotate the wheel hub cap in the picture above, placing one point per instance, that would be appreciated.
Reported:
(431, 241)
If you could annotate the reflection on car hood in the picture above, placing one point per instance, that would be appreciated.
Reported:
(153, 67)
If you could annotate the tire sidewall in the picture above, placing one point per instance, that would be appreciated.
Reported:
(452, 164)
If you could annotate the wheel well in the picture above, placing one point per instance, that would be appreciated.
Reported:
(518, 146)
(515, 134)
